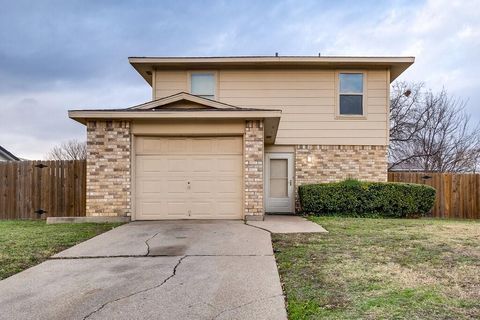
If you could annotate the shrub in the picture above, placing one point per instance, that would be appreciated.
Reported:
(362, 199)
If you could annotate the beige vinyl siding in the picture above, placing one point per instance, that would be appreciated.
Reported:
(279, 149)
(332, 125)
(169, 83)
(196, 127)
(307, 99)
(351, 141)
(309, 117)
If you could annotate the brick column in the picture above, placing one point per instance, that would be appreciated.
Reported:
(108, 168)
(254, 147)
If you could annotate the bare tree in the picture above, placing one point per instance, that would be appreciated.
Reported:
(407, 112)
(431, 131)
(69, 150)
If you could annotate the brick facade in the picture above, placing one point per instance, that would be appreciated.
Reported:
(108, 168)
(254, 149)
(322, 163)
(109, 175)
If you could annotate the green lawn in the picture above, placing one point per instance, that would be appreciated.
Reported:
(382, 269)
(24, 244)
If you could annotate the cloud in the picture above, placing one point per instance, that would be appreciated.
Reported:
(444, 36)
(32, 123)
(57, 55)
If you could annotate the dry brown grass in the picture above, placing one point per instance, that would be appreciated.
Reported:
(382, 269)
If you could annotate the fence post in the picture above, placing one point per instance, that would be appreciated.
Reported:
(39, 211)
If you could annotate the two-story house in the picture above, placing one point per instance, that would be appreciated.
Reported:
(233, 137)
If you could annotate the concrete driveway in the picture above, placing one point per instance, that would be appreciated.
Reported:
(154, 270)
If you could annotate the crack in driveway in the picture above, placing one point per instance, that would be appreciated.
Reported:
(138, 292)
(257, 227)
(146, 242)
(174, 272)
(217, 311)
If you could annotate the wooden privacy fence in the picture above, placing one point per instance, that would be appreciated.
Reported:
(458, 194)
(56, 188)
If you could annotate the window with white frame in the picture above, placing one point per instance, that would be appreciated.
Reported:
(351, 94)
(203, 84)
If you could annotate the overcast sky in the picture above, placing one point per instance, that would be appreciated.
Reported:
(60, 55)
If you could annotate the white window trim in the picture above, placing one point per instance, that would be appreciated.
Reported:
(215, 79)
(338, 115)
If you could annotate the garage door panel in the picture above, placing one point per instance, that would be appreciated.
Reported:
(151, 165)
(229, 165)
(146, 165)
(202, 187)
(152, 187)
(177, 145)
(176, 186)
(177, 164)
(150, 145)
(228, 208)
(149, 208)
(229, 186)
(230, 145)
(203, 164)
(213, 166)
(202, 208)
(202, 146)
(178, 208)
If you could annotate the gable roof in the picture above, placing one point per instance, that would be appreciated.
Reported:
(183, 106)
(145, 65)
(171, 104)
(4, 153)
(207, 104)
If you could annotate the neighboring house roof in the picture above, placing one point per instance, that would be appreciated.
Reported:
(184, 106)
(145, 65)
(7, 155)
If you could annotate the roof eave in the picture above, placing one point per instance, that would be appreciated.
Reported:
(397, 69)
(145, 65)
(83, 116)
(271, 118)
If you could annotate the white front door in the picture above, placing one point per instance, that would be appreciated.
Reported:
(279, 183)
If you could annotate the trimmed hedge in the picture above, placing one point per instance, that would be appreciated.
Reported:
(362, 199)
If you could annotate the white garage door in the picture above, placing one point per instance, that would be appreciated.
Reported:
(188, 178)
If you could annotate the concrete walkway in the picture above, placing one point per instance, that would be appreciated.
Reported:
(287, 224)
(154, 270)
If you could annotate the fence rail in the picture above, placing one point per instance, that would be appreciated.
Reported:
(56, 187)
(458, 195)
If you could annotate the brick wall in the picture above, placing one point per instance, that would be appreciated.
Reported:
(314, 163)
(108, 168)
(254, 168)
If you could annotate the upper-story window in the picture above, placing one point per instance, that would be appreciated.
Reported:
(203, 84)
(351, 94)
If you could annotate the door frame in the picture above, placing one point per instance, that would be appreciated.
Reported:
(290, 176)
